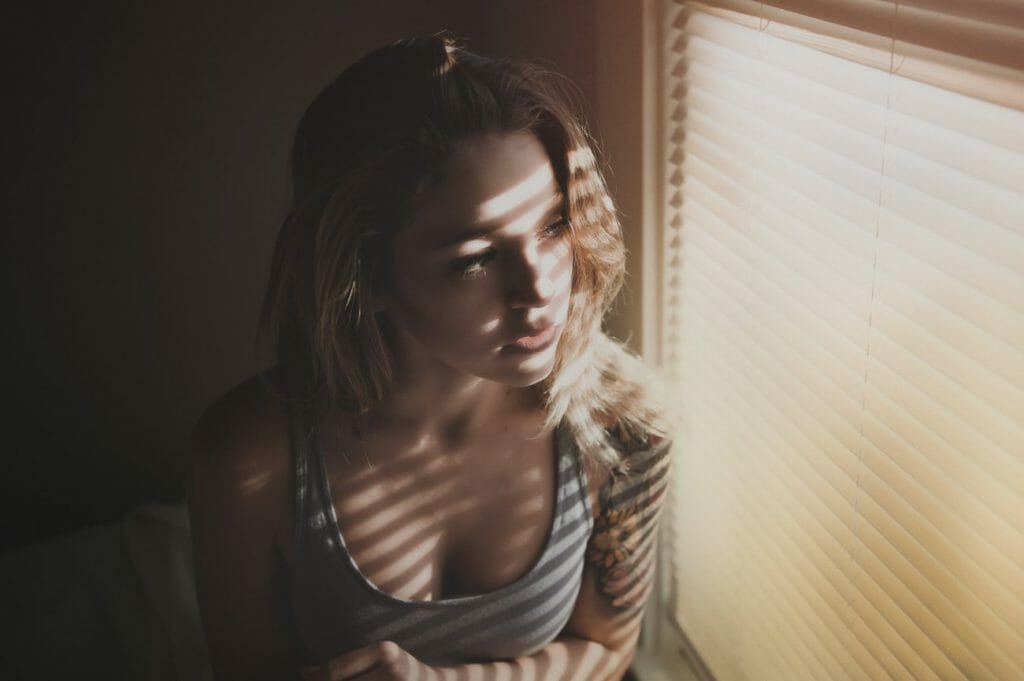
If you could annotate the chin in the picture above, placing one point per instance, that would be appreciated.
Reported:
(525, 375)
(523, 382)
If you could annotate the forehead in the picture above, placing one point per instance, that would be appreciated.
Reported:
(489, 180)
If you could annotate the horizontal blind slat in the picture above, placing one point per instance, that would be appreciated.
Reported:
(755, 415)
(780, 352)
(715, 46)
(999, 205)
(888, 628)
(991, 352)
(834, 473)
(998, 12)
(818, 112)
(916, 607)
(776, 401)
(845, 280)
(974, 566)
(938, 428)
(956, 227)
(964, 54)
(823, 205)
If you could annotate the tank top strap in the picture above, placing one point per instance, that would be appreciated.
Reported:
(568, 447)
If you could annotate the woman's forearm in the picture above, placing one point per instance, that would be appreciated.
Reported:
(565, 659)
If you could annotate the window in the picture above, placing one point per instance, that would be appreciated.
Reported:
(842, 310)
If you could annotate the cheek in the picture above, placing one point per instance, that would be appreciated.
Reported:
(566, 263)
(559, 268)
(446, 308)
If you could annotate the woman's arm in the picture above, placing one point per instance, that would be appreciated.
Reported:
(562, 660)
(565, 659)
(237, 493)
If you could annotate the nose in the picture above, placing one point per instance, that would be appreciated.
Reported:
(530, 278)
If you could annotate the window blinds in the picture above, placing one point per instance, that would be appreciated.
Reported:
(844, 320)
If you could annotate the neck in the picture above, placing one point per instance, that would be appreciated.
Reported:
(460, 408)
(448, 408)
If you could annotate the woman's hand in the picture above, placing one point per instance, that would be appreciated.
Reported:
(382, 661)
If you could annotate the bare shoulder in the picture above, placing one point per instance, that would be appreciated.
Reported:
(240, 455)
(239, 501)
(618, 572)
(245, 415)
(645, 462)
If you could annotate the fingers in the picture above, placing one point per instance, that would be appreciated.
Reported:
(359, 664)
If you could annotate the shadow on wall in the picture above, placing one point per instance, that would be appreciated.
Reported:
(153, 176)
(151, 155)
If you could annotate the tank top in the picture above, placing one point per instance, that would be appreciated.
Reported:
(335, 608)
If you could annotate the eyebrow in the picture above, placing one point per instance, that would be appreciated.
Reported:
(558, 207)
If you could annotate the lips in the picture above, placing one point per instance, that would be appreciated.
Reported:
(536, 341)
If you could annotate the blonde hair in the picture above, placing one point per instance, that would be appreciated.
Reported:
(366, 146)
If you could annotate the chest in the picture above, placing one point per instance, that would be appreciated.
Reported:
(427, 525)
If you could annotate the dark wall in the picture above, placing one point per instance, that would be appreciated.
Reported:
(147, 177)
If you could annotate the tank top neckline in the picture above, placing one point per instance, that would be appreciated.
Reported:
(342, 548)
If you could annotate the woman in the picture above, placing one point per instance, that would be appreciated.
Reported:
(451, 472)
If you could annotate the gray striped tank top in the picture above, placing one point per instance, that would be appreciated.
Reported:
(336, 608)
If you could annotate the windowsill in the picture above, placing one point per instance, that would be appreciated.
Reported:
(651, 667)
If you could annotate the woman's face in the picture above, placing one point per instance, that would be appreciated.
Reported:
(485, 261)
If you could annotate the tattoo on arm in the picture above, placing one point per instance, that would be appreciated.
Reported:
(622, 545)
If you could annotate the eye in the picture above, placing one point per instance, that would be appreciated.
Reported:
(472, 266)
(557, 228)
